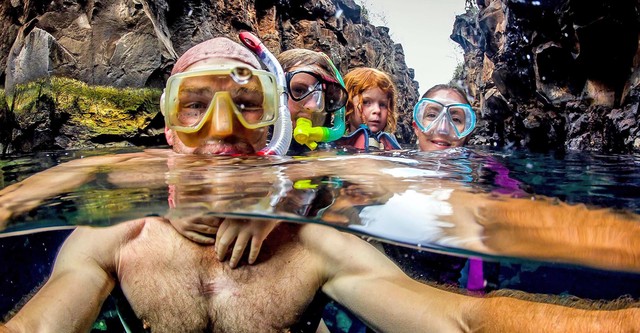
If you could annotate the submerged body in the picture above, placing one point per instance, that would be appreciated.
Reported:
(174, 285)
(186, 289)
(214, 297)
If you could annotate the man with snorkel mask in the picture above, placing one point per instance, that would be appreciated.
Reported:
(220, 105)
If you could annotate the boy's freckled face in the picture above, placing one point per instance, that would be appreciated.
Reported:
(372, 109)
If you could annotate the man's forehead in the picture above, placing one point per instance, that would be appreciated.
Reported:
(217, 63)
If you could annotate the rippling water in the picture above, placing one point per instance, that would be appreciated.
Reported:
(423, 201)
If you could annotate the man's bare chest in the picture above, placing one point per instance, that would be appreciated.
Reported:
(174, 285)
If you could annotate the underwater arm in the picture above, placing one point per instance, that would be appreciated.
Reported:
(361, 278)
(372, 287)
(547, 229)
(29, 193)
(82, 278)
(507, 314)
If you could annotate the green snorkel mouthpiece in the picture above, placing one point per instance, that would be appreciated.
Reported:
(306, 134)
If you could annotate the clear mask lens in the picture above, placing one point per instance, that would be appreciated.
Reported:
(456, 120)
(314, 105)
(194, 97)
(301, 84)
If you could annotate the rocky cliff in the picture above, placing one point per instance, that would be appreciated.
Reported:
(134, 43)
(554, 74)
(547, 74)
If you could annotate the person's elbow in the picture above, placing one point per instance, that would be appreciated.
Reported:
(11, 328)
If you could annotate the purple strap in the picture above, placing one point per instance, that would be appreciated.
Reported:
(475, 281)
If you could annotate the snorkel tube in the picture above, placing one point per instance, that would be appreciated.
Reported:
(306, 134)
(281, 138)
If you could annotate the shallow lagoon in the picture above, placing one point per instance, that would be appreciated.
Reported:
(401, 199)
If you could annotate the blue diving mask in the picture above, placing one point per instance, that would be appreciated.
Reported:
(444, 117)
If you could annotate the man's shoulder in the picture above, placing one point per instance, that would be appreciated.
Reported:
(106, 244)
(114, 236)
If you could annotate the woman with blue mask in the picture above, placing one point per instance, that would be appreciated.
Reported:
(443, 118)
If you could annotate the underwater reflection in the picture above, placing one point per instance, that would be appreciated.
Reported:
(458, 202)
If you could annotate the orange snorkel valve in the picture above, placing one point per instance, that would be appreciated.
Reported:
(306, 134)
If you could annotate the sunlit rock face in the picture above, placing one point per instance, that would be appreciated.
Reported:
(554, 74)
(134, 43)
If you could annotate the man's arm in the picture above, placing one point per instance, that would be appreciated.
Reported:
(369, 284)
(29, 193)
(82, 278)
(546, 229)
(376, 290)
(506, 314)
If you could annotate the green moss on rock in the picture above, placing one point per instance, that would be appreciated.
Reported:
(98, 110)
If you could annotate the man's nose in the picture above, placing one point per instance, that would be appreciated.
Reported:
(222, 118)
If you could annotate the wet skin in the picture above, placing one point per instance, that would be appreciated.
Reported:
(208, 287)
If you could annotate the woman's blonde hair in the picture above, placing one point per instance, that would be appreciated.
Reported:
(364, 78)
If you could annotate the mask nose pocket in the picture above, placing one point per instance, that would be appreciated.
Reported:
(221, 115)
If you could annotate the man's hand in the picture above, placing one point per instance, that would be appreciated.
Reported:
(200, 229)
(224, 233)
(241, 232)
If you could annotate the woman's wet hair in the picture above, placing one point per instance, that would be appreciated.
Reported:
(303, 57)
(364, 78)
(450, 87)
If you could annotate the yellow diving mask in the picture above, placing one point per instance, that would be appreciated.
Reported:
(191, 98)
